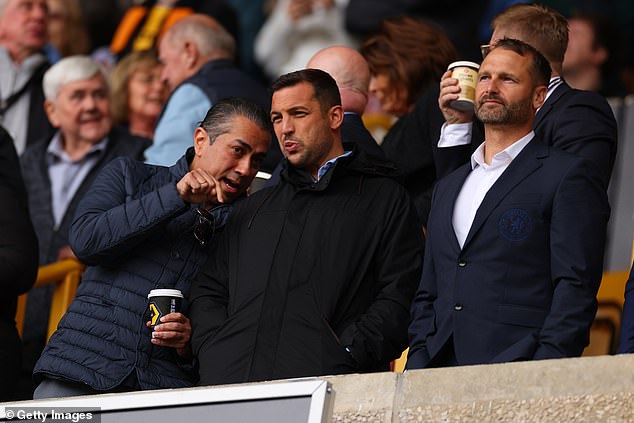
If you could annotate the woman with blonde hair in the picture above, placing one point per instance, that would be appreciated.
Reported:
(138, 94)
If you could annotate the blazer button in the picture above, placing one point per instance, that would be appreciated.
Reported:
(462, 263)
(457, 307)
(175, 255)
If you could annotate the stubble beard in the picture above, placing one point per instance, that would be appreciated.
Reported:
(516, 112)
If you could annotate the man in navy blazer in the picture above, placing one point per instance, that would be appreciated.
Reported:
(580, 122)
(515, 238)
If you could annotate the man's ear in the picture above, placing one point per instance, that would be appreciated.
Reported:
(539, 96)
(201, 140)
(191, 54)
(335, 116)
(49, 108)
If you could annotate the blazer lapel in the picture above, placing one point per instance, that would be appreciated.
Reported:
(523, 165)
(454, 184)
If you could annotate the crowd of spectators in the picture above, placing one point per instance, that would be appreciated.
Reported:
(331, 251)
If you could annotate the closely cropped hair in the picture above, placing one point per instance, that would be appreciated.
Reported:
(540, 68)
(208, 39)
(540, 26)
(218, 119)
(410, 52)
(119, 78)
(67, 70)
(325, 87)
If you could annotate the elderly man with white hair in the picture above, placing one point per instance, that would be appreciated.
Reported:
(59, 170)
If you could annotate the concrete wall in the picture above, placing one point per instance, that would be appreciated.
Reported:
(593, 389)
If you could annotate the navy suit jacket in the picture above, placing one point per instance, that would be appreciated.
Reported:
(626, 344)
(524, 284)
(582, 123)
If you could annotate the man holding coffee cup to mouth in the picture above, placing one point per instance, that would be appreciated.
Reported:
(142, 229)
(580, 122)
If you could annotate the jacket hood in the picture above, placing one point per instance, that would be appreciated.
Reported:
(357, 162)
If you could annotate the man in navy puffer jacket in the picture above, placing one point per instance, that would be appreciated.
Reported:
(138, 228)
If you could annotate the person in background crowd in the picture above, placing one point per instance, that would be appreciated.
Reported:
(197, 54)
(138, 93)
(145, 22)
(517, 277)
(59, 170)
(407, 58)
(459, 22)
(315, 275)
(593, 56)
(23, 34)
(141, 227)
(18, 262)
(297, 29)
(66, 30)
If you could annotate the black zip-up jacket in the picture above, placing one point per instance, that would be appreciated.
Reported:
(306, 271)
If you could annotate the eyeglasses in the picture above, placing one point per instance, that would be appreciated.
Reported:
(485, 49)
(204, 227)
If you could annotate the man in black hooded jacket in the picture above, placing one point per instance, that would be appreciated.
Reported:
(316, 275)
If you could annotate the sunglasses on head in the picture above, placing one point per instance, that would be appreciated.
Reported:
(204, 227)
(485, 49)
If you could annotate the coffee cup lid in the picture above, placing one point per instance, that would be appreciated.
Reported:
(463, 63)
(165, 293)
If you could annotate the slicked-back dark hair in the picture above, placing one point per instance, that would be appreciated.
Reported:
(218, 119)
(540, 68)
(324, 86)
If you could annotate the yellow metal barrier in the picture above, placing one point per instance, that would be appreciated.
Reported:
(65, 274)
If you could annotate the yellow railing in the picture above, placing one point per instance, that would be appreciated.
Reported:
(65, 274)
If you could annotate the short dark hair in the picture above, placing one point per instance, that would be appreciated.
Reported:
(540, 68)
(218, 119)
(324, 86)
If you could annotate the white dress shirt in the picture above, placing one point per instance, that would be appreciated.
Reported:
(478, 183)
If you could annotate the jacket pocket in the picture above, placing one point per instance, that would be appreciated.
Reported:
(335, 355)
(518, 315)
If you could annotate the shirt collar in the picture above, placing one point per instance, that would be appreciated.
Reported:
(56, 150)
(503, 157)
(553, 84)
(28, 64)
(330, 163)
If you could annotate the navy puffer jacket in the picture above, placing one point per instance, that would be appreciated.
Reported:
(136, 234)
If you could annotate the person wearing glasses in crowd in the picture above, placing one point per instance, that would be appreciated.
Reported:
(580, 122)
(142, 227)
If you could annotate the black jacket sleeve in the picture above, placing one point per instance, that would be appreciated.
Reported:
(18, 243)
